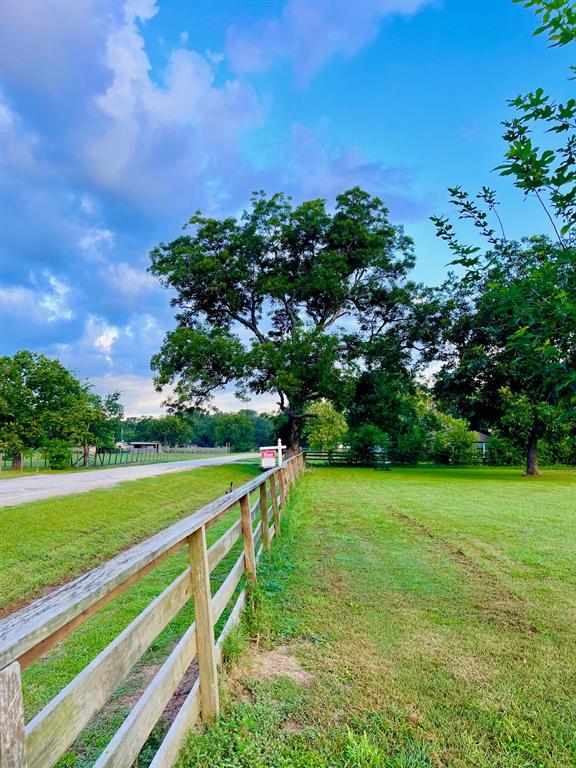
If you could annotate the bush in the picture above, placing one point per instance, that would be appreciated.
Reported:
(366, 443)
(326, 430)
(57, 453)
(410, 446)
(503, 451)
(453, 442)
(510, 451)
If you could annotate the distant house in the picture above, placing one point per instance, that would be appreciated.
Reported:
(146, 447)
(481, 442)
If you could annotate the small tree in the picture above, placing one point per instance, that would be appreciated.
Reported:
(327, 428)
(511, 319)
(366, 443)
(41, 401)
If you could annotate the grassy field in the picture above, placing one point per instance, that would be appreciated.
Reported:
(409, 619)
(45, 543)
(7, 474)
(48, 542)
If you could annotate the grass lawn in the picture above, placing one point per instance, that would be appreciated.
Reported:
(409, 619)
(48, 542)
(45, 543)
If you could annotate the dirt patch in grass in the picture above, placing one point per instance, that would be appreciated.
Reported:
(280, 662)
(180, 694)
(143, 679)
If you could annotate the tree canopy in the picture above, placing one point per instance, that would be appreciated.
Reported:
(41, 401)
(509, 342)
(286, 300)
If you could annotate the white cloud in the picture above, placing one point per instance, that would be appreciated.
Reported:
(17, 144)
(310, 33)
(42, 43)
(99, 336)
(127, 280)
(46, 300)
(138, 394)
(87, 204)
(155, 139)
(16, 298)
(94, 241)
(141, 399)
(54, 300)
(226, 401)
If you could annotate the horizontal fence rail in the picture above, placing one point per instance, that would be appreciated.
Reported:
(347, 458)
(32, 631)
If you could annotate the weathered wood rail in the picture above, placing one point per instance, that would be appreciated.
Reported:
(34, 630)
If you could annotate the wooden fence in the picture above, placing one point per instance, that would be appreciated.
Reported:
(347, 458)
(34, 630)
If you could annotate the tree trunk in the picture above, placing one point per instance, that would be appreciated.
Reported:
(532, 456)
(86, 455)
(17, 462)
(293, 433)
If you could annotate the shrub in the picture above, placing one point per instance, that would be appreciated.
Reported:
(57, 453)
(326, 430)
(366, 443)
(453, 442)
(410, 446)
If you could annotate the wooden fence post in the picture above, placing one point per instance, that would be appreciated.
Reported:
(282, 481)
(275, 515)
(249, 556)
(200, 574)
(12, 739)
(264, 516)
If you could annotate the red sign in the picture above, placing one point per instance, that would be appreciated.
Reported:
(267, 453)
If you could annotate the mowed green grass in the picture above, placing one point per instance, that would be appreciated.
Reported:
(435, 611)
(8, 474)
(45, 543)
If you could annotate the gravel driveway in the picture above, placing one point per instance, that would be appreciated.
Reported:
(19, 490)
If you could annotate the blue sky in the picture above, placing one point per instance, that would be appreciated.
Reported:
(119, 118)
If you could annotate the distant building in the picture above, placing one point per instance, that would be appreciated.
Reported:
(146, 447)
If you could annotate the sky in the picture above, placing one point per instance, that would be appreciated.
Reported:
(121, 118)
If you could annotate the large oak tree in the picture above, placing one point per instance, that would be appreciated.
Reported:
(285, 299)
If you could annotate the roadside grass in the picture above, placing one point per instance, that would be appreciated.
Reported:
(60, 538)
(45, 543)
(433, 614)
(8, 474)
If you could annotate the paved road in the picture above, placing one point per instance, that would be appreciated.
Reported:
(19, 490)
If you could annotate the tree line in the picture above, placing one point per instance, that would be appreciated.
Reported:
(242, 431)
(45, 407)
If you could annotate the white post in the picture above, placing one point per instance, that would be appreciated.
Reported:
(279, 452)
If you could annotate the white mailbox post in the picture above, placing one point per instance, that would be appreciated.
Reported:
(268, 455)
